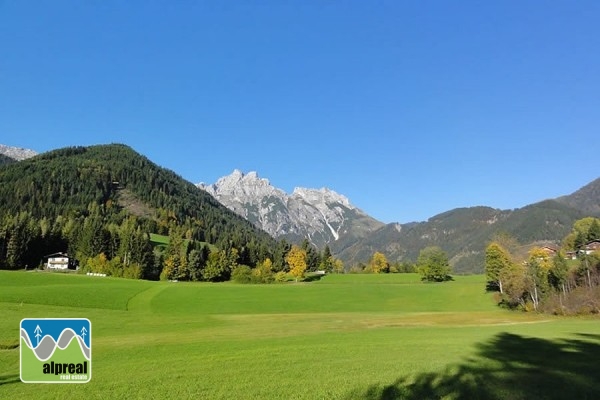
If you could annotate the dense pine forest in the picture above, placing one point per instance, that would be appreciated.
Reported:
(101, 204)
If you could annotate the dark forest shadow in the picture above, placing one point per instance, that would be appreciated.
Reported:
(508, 366)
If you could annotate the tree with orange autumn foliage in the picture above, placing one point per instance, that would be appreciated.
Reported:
(296, 259)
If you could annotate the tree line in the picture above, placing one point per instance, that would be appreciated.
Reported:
(299, 259)
(122, 246)
(542, 281)
(432, 264)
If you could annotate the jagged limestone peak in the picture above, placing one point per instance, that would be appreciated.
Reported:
(322, 216)
(16, 153)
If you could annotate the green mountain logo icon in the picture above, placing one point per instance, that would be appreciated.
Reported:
(52, 351)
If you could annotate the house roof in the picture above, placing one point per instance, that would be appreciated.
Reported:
(59, 254)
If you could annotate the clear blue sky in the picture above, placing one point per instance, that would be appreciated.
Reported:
(409, 108)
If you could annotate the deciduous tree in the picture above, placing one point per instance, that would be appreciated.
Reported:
(583, 231)
(433, 265)
(559, 273)
(378, 263)
(264, 271)
(296, 259)
(219, 265)
(497, 259)
(538, 267)
(514, 285)
(338, 266)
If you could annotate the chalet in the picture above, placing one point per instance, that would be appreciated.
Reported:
(590, 247)
(550, 250)
(60, 261)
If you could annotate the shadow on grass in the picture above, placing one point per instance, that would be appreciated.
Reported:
(312, 277)
(10, 378)
(13, 344)
(507, 367)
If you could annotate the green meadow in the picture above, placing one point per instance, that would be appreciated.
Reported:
(343, 337)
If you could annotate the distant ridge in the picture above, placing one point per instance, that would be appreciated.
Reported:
(464, 232)
(586, 199)
(327, 218)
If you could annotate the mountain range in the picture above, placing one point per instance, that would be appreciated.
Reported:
(321, 216)
(325, 217)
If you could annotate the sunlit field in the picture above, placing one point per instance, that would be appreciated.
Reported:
(345, 336)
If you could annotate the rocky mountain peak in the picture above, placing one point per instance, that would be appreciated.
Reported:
(241, 187)
(323, 195)
(320, 215)
(16, 153)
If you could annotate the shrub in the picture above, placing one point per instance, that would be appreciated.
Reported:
(263, 272)
(281, 277)
(134, 271)
(242, 274)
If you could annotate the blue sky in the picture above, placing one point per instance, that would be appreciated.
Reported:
(409, 108)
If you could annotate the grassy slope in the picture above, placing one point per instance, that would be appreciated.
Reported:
(350, 336)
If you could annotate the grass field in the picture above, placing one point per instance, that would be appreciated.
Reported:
(343, 337)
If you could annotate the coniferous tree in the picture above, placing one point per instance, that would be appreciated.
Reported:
(281, 250)
(594, 231)
(18, 240)
(312, 257)
(326, 262)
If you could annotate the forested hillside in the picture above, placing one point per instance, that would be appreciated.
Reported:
(104, 201)
(464, 232)
(586, 199)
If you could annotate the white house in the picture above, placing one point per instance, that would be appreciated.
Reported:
(57, 261)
